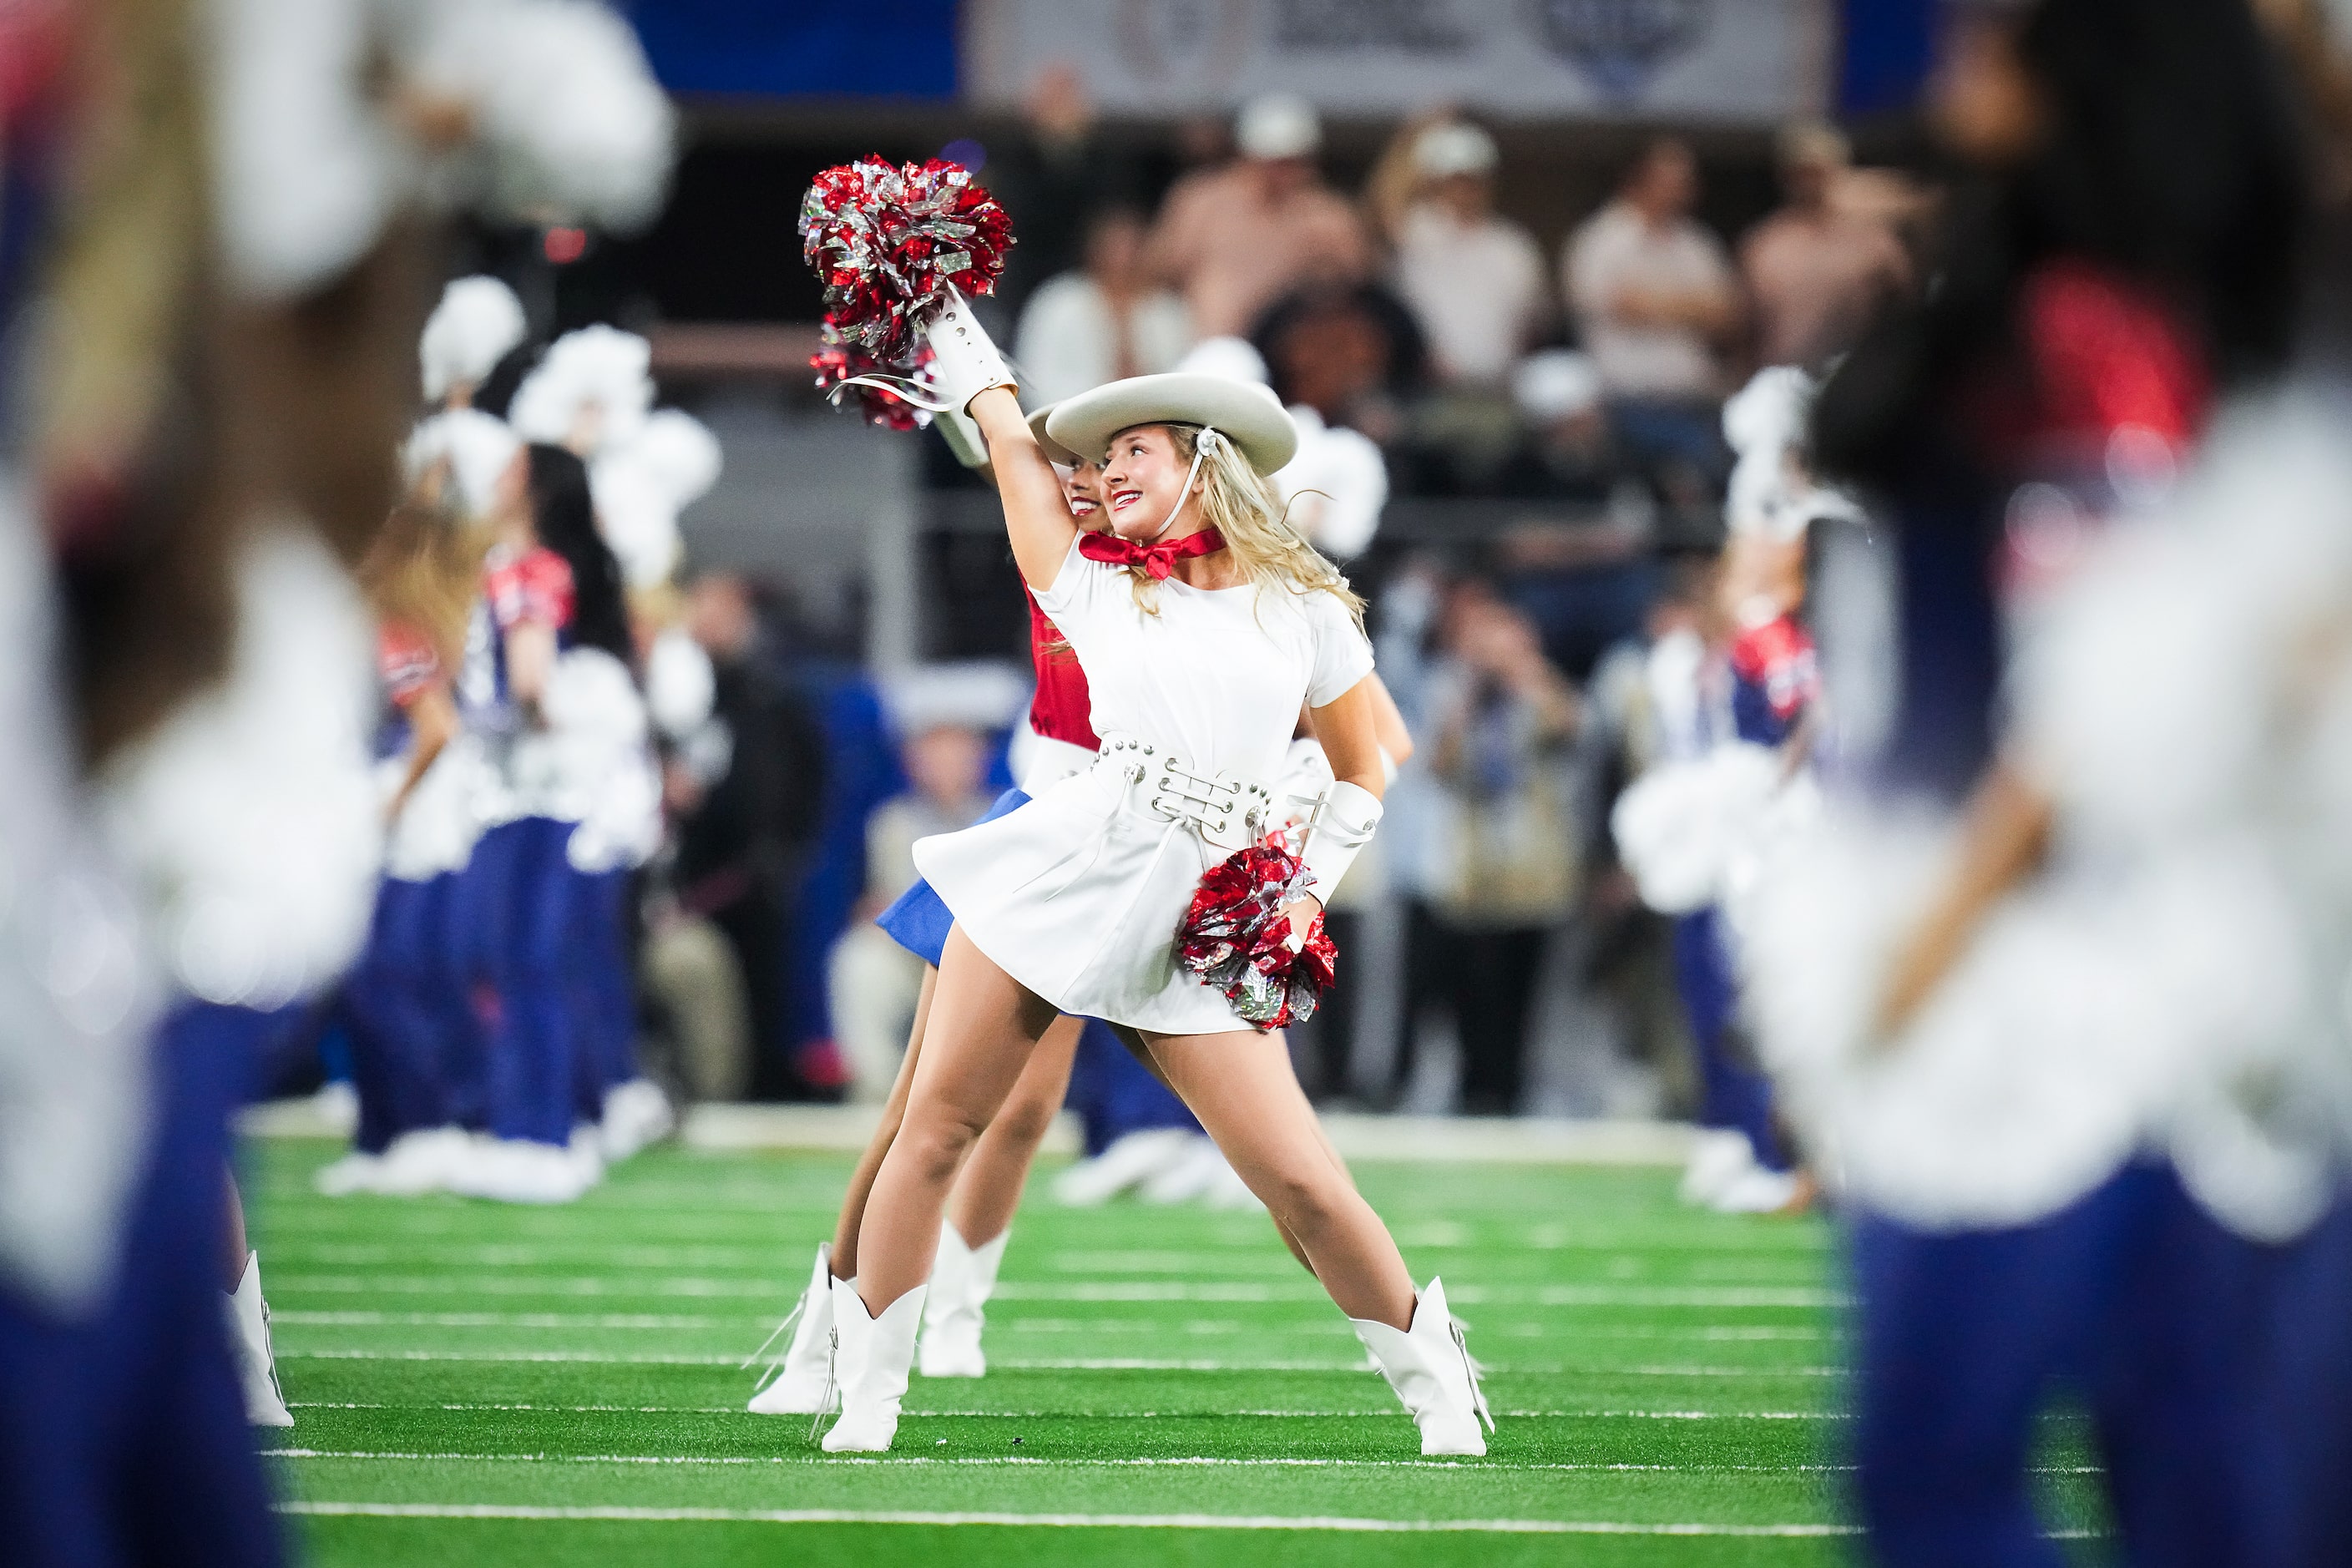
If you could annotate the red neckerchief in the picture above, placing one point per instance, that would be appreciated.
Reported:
(1158, 560)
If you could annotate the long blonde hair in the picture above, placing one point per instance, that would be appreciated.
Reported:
(1240, 503)
(424, 570)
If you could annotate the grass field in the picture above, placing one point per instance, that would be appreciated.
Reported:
(475, 1384)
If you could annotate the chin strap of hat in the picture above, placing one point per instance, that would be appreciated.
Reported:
(1203, 445)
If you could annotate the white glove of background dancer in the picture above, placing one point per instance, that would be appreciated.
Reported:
(966, 360)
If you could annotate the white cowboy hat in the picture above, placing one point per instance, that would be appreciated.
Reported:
(1249, 416)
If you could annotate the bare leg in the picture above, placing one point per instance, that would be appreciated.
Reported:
(990, 1188)
(234, 1258)
(986, 1026)
(1141, 1052)
(1241, 1086)
(861, 1181)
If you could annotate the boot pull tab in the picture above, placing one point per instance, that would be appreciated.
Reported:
(1470, 1370)
(825, 1404)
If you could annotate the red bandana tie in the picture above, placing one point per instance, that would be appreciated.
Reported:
(1158, 560)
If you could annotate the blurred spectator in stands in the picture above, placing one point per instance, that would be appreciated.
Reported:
(746, 797)
(1657, 299)
(1472, 280)
(1232, 239)
(874, 982)
(1353, 353)
(1569, 453)
(1819, 268)
(1050, 175)
(1503, 863)
(1106, 323)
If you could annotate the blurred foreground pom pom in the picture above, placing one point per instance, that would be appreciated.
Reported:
(890, 241)
(477, 322)
(568, 117)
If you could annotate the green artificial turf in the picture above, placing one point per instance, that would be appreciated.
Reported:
(1166, 1385)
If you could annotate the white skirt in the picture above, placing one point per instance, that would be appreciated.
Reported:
(1077, 896)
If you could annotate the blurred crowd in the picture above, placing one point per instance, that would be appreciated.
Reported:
(1414, 311)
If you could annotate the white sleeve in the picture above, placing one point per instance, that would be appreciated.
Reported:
(1342, 656)
(1077, 591)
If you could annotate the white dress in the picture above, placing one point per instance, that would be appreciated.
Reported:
(1077, 895)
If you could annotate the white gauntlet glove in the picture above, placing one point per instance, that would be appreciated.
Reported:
(966, 361)
(1339, 830)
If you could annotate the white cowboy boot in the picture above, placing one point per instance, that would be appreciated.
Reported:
(801, 1383)
(1428, 1367)
(256, 1365)
(871, 1359)
(962, 1279)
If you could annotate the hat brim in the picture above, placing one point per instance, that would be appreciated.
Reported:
(1244, 413)
(1055, 451)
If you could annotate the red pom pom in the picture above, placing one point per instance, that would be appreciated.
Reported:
(889, 240)
(838, 362)
(1236, 937)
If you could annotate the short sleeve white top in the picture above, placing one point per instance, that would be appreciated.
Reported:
(1218, 674)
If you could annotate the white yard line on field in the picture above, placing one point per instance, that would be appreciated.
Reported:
(1303, 1291)
(1161, 1462)
(1054, 1520)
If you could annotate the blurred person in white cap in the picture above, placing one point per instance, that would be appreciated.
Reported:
(944, 721)
(1109, 320)
(1819, 268)
(1205, 623)
(1657, 302)
(1570, 452)
(1473, 280)
(1232, 241)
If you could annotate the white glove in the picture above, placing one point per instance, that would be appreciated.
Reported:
(1349, 817)
(966, 361)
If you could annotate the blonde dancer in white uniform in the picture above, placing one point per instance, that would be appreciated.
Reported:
(1071, 903)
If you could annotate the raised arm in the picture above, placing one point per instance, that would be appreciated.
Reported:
(1036, 516)
(1388, 722)
(1349, 727)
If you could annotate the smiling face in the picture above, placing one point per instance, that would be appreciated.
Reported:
(1143, 479)
(1082, 489)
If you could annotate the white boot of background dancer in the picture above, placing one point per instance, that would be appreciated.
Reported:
(871, 1359)
(257, 1363)
(801, 1383)
(962, 1279)
(1429, 1366)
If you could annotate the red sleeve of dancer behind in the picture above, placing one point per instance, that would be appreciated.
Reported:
(2108, 355)
(533, 587)
(1063, 709)
(1777, 659)
(404, 662)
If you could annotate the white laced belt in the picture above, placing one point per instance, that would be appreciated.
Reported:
(1226, 810)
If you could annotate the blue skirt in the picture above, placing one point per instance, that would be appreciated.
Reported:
(919, 921)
